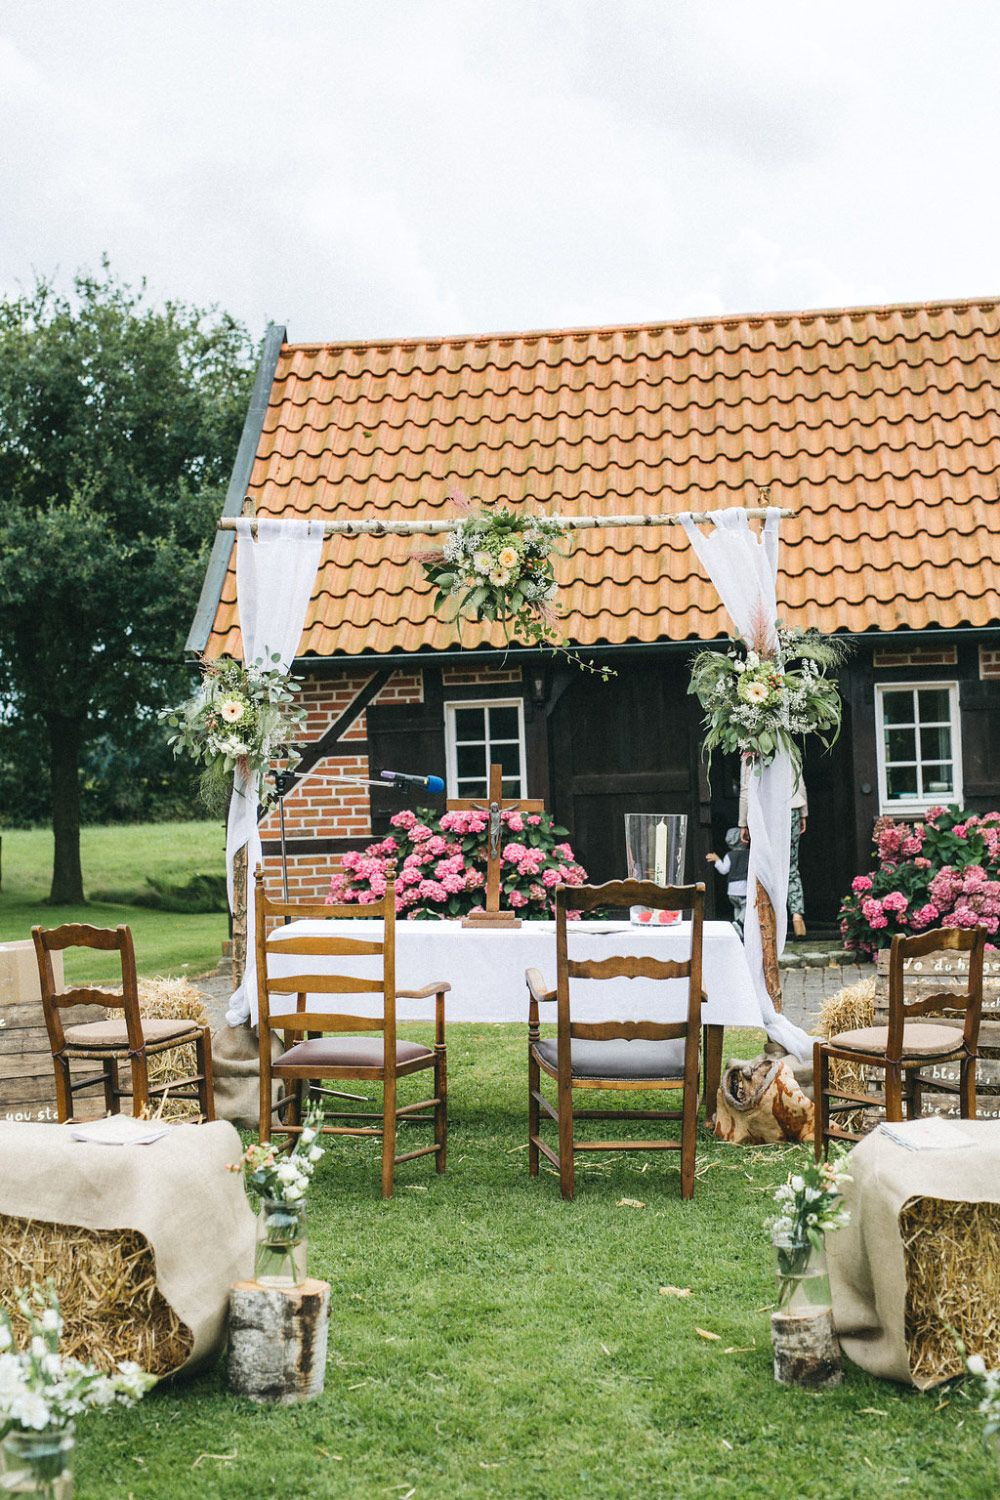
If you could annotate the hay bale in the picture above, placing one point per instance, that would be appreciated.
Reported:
(106, 1282)
(173, 1000)
(952, 1266)
(851, 1008)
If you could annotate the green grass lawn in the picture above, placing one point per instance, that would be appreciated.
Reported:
(487, 1339)
(119, 859)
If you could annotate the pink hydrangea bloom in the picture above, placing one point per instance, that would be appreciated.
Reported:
(871, 908)
(860, 884)
(895, 901)
(879, 921)
(515, 823)
(533, 820)
(922, 864)
(404, 819)
(564, 851)
(513, 852)
(911, 846)
(437, 845)
(926, 916)
(538, 894)
(550, 878)
(419, 833)
(517, 899)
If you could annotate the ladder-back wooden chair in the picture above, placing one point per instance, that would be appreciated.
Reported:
(131, 1039)
(617, 1055)
(314, 1052)
(901, 1049)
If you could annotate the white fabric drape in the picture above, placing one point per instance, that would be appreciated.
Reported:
(274, 579)
(744, 569)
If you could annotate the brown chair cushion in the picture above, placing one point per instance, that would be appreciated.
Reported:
(639, 1059)
(919, 1039)
(111, 1034)
(347, 1052)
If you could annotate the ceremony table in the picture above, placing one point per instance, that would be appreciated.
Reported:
(485, 968)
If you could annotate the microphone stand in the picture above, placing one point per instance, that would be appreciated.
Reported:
(283, 783)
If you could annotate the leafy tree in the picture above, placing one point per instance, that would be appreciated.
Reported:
(118, 425)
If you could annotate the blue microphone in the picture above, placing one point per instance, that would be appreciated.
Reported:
(432, 784)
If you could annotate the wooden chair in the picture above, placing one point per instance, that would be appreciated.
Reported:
(618, 1055)
(110, 1042)
(905, 1046)
(316, 1056)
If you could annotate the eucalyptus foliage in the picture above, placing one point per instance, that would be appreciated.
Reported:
(762, 703)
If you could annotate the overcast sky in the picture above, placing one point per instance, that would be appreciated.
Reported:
(367, 168)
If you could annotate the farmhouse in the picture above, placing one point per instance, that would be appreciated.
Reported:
(878, 427)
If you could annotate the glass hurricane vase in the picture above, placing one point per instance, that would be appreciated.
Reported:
(803, 1278)
(282, 1244)
(38, 1463)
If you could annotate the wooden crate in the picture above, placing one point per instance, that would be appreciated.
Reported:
(949, 971)
(27, 1081)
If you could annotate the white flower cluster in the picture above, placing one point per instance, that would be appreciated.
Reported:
(989, 1406)
(40, 1388)
(285, 1179)
(811, 1202)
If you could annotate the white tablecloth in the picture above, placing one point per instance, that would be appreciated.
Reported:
(486, 970)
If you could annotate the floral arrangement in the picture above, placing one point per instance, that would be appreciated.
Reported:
(811, 1204)
(760, 700)
(39, 1387)
(943, 871)
(283, 1177)
(240, 716)
(497, 565)
(441, 864)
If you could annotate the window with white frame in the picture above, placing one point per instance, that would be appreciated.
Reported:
(477, 736)
(919, 745)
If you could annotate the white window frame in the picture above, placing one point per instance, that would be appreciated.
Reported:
(451, 758)
(929, 799)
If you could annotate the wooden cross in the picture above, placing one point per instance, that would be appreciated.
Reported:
(493, 916)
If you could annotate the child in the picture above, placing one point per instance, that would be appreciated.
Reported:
(735, 864)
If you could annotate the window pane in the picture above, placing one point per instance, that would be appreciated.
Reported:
(472, 789)
(939, 779)
(470, 760)
(901, 781)
(512, 788)
(509, 757)
(503, 723)
(901, 744)
(935, 705)
(935, 744)
(470, 724)
(897, 708)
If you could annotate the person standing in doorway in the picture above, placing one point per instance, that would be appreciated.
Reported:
(734, 865)
(796, 898)
(797, 827)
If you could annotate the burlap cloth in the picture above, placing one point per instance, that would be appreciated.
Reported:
(176, 1192)
(866, 1259)
(236, 1069)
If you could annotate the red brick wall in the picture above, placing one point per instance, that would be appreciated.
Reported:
(917, 656)
(989, 662)
(479, 676)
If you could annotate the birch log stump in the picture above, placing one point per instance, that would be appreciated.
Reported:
(806, 1352)
(277, 1340)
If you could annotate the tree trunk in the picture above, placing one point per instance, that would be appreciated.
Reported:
(277, 1340)
(806, 1351)
(64, 765)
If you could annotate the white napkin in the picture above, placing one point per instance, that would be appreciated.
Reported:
(119, 1130)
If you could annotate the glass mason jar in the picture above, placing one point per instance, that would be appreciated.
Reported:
(655, 844)
(38, 1463)
(803, 1278)
(282, 1245)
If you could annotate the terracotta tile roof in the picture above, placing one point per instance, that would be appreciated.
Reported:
(879, 426)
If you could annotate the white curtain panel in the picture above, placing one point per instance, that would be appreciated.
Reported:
(274, 580)
(744, 569)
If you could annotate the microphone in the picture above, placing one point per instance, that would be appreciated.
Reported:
(425, 783)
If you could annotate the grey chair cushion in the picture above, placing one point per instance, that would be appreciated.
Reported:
(619, 1059)
(111, 1034)
(919, 1038)
(347, 1052)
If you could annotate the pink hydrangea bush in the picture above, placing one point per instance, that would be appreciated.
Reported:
(941, 872)
(441, 864)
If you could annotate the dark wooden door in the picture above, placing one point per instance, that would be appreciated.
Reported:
(626, 745)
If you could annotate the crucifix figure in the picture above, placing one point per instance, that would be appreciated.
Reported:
(493, 916)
